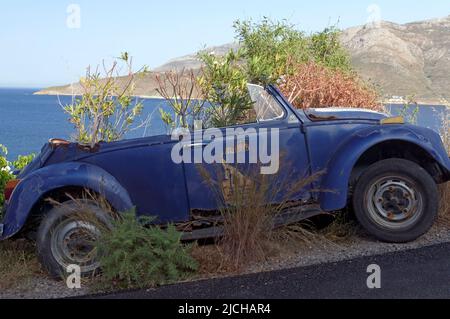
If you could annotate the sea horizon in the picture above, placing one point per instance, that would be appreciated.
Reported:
(29, 121)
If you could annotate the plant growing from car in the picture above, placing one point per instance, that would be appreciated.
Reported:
(135, 255)
(325, 49)
(272, 49)
(266, 47)
(107, 109)
(247, 200)
(180, 91)
(315, 71)
(223, 83)
(314, 85)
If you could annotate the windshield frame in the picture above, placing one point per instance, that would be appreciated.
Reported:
(300, 114)
(274, 98)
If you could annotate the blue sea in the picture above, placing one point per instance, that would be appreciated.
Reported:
(28, 121)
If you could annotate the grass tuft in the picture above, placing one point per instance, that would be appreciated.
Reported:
(18, 264)
(248, 200)
(342, 229)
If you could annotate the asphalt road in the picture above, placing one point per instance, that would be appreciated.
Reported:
(422, 273)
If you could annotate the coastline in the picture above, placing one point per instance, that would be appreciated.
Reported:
(55, 93)
(431, 102)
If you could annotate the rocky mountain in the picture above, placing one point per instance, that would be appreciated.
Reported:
(191, 61)
(402, 60)
(146, 87)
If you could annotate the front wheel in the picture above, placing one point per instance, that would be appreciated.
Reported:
(67, 236)
(396, 200)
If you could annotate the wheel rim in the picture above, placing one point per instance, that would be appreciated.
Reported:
(73, 243)
(394, 202)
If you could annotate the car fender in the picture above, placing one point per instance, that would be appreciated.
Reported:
(53, 177)
(335, 183)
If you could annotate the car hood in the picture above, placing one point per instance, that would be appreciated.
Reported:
(52, 153)
(330, 114)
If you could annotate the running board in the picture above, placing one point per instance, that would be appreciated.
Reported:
(292, 216)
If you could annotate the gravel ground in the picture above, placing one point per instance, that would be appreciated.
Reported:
(42, 288)
(360, 245)
(324, 252)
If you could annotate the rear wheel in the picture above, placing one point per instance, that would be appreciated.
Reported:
(67, 236)
(396, 200)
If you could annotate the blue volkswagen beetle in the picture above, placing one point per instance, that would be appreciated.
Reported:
(387, 170)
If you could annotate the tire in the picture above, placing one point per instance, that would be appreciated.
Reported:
(396, 201)
(65, 238)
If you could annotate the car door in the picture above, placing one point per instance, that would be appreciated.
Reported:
(155, 183)
(277, 131)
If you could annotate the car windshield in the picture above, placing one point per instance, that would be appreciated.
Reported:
(265, 105)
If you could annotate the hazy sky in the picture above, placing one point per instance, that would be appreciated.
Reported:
(51, 42)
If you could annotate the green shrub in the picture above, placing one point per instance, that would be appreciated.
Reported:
(22, 161)
(326, 49)
(6, 168)
(271, 49)
(268, 51)
(5, 174)
(136, 256)
(268, 46)
(224, 85)
(107, 108)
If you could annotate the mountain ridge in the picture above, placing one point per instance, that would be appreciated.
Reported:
(411, 59)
